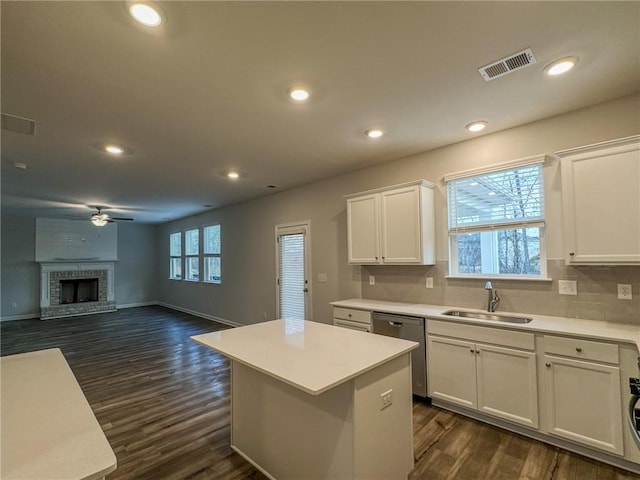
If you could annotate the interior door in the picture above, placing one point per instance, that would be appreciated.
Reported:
(292, 252)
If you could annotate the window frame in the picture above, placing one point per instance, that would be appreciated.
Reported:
(173, 257)
(189, 257)
(209, 255)
(540, 223)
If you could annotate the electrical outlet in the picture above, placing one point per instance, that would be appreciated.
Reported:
(624, 291)
(14, 305)
(386, 399)
(567, 287)
(372, 280)
(429, 282)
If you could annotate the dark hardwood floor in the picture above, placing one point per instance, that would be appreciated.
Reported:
(163, 402)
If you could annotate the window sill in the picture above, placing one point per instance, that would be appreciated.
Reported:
(211, 283)
(501, 277)
(173, 278)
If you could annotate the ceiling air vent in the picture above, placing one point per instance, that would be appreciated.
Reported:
(18, 124)
(506, 65)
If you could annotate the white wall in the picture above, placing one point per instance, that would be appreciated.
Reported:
(135, 272)
(247, 293)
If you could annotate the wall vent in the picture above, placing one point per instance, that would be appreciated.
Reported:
(507, 65)
(18, 124)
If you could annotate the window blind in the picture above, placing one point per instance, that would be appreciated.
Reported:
(511, 198)
(291, 268)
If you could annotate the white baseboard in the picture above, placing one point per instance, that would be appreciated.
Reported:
(201, 315)
(28, 316)
(139, 304)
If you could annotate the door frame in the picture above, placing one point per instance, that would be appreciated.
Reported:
(303, 226)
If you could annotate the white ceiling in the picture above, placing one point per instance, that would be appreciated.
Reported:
(207, 91)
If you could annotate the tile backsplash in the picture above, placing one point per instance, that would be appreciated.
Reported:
(597, 286)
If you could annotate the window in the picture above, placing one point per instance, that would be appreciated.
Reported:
(192, 254)
(175, 253)
(496, 221)
(211, 240)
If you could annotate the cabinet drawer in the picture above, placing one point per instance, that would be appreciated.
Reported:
(585, 349)
(361, 316)
(497, 336)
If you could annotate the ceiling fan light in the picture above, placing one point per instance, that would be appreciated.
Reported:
(98, 220)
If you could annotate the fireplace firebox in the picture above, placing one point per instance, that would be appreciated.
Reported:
(79, 290)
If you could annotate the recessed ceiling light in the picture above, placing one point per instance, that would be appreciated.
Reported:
(491, 193)
(476, 126)
(299, 94)
(146, 13)
(374, 133)
(233, 175)
(473, 184)
(114, 149)
(561, 66)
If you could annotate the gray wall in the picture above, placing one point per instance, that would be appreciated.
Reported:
(247, 294)
(135, 272)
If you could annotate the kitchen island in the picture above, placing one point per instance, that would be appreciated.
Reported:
(48, 428)
(314, 401)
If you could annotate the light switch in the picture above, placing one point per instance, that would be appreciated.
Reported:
(372, 280)
(322, 277)
(429, 282)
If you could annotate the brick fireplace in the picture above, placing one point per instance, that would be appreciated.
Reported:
(68, 289)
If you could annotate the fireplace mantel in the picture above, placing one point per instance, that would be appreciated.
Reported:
(52, 272)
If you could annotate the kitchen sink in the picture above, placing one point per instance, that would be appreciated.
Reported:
(496, 317)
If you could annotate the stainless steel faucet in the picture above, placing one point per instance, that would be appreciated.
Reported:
(494, 299)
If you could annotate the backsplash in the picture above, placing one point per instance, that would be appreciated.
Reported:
(597, 297)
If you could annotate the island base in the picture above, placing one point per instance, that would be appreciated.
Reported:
(343, 433)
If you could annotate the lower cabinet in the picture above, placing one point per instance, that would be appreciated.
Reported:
(496, 376)
(582, 393)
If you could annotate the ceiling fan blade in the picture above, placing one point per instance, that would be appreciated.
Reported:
(122, 218)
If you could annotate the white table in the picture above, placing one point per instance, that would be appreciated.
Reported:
(307, 400)
(48, 430)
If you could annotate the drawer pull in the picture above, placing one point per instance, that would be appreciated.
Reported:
(478, 352)
(548, 365)
(578, 349)
(349, 315)
(572, 253)
(472, 350)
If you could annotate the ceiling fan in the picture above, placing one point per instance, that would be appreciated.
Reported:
(100, 219)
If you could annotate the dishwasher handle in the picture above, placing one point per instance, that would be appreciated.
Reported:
(395, 324)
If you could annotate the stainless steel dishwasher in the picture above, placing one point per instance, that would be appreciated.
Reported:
(407, 328)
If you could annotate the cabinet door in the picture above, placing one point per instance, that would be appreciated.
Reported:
(601, 204)
(582, 403)
(401, 227)
(363, 229)
(452, 370)
(507, 385)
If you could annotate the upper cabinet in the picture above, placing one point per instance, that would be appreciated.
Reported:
(601, 202)
(393, 225)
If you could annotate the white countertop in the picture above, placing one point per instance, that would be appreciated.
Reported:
(618, 332)
(48, 429)
(313, 357)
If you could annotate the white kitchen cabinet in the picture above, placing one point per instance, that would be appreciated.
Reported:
(353, 319)
(496, 374)
(393, 225)
(601, 202)
(582, 392)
